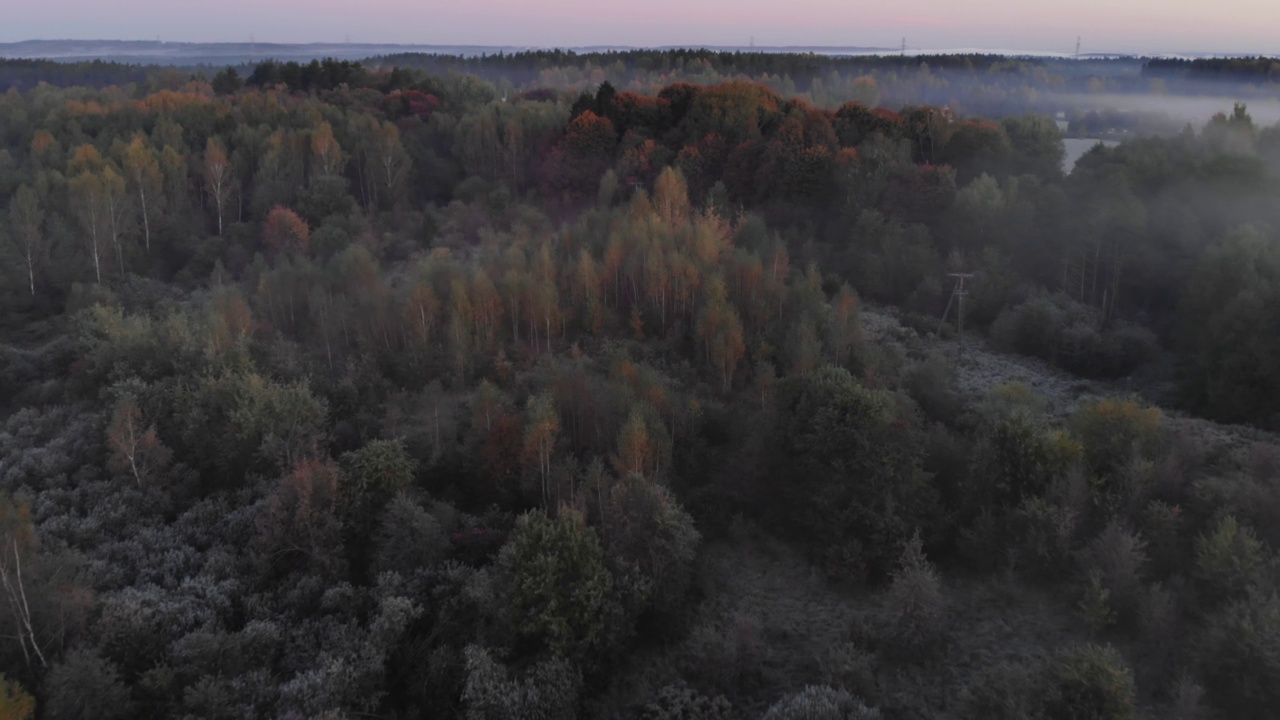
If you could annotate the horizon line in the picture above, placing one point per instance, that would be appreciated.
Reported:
(870, 50)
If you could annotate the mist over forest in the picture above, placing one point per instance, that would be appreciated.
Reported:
(639, 384)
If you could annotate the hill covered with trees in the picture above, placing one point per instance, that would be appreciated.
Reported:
(337, 390)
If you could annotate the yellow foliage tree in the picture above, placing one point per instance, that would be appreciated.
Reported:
(15, 703)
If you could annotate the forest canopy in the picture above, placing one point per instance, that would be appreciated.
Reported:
(554, 385)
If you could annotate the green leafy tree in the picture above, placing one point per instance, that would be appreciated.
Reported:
(644, 527)
(1228, 333)
(854, 469)
(372, 476)
(1036, 146)
(1016, 459)
(561, 591)
(1089, 682)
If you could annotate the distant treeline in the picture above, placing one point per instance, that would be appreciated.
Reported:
(1246, 69)
(802, 67)
(26, 74)
(326, 74)
(978, 84)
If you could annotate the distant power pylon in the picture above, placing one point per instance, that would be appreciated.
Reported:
(904, 46)
(1077, 47)
(958, 295)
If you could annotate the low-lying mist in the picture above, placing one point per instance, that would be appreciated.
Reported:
(1194, 110)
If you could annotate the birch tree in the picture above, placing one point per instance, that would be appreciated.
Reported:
(142, 168)
(217, 177)
(26, 223)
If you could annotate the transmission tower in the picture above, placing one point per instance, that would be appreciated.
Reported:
(1077, 47)
(958, 295)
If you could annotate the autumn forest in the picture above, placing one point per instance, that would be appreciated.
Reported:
(567, 386)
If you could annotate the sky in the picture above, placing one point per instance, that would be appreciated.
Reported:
(1151, 26)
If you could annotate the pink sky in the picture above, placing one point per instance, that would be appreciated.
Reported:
(1245, 26)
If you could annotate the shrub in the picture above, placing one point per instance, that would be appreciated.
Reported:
(549, 691)
(1002, 692)
(1240, 659)
(84, 686)
(1017, 459)
(1112, 429)
(1117, 558)
(15, 703)
(681, 702)
(408, 538)
(1032, 328)
(1008, 399)
(1089, 682)
(1162, 525)
(728, 652)
(932, 384)
(1042, 537)
(1095, 606)
(1158, 629)
(818, 702)
(850, 667)
(1188, 701)
(1072, 335)
(1228, 560)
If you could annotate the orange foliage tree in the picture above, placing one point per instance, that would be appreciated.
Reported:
(575, 165)
(300, 522)
(286, 232)
(326, 154)
(671, 197)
